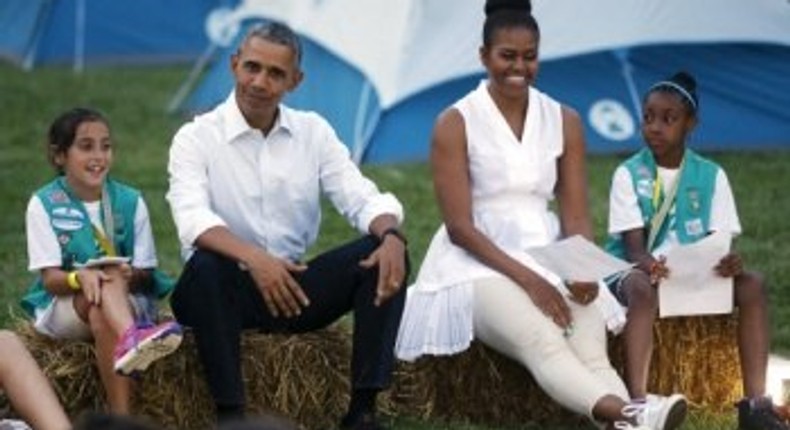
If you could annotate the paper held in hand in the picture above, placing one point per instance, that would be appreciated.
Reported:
(693, 286)
(577, 259)
(102, 261)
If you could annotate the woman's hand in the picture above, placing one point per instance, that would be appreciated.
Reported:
(583, 293)
(550, 302)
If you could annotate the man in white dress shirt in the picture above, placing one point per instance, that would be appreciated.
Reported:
(245, 186)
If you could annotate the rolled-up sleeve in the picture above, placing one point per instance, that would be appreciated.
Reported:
(356, 197)
(188, 193)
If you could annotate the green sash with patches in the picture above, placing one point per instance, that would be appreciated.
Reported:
(78, 242)
(693, 198)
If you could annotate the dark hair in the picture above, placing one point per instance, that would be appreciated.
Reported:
(276, 32)
(64, 128)
(681, 84)
(508, 14)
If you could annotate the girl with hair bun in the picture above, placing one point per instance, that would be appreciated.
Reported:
(499, 157)
(666, 195)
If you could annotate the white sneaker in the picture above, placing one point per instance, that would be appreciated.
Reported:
(666, 412)
(659, 412)
(625, 425)
(14, 425)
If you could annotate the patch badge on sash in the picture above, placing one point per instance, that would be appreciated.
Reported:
(67, 218)
(120, 222)
(67, 224)
(67, 212)
(64, 239)
(693, 199)
(58, 196)
(644, 187)
(694, 227)
(643, 171)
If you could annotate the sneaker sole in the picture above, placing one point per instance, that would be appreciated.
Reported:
(148, 351)
(676, 415)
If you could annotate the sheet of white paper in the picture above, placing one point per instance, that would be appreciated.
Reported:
(577, 259)
(693, 287)
(102, 261)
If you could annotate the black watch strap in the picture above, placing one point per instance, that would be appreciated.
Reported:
(395, 232)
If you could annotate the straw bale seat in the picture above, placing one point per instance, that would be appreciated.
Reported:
(304, 377)
(696, 356)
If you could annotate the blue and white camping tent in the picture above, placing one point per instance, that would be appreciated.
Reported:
(381, 71)
(87, 32)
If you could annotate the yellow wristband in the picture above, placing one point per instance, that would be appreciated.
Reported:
(72, 280)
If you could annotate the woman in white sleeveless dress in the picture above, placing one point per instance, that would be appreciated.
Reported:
(499, 156)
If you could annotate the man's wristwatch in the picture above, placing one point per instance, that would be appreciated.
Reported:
(395, 232)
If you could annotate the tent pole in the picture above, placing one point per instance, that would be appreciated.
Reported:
(79, 36)
(627, 70)
(41, 22)
(183, 90)
(361, 132)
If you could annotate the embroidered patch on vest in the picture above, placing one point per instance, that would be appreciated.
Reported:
(68, 219)
(693, 199)
(64, 239)
(694, 227)
(58, 196)
(644, 187)
(68, 213)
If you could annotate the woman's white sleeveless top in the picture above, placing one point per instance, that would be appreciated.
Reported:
(512, 183)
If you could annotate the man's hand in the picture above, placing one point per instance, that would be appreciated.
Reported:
(390, 256)
(280, 291)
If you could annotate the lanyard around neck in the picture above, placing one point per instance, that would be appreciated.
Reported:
(105, 238)
(669, 197)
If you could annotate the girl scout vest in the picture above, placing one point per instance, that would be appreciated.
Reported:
(693, 198)
(77, 237)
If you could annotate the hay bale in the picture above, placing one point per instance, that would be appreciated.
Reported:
(69, 366)
(697, 356)
(479, 386)
(304, 377)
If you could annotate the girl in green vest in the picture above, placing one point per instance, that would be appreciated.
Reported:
(666, 195)
(77, 219)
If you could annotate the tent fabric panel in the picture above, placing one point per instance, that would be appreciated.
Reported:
(744, 93)
(112, 32)
(331, 87)
(19, 22)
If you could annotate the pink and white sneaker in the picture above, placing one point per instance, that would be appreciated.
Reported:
(138, 347)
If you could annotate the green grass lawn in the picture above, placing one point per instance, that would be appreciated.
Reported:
(135, 99)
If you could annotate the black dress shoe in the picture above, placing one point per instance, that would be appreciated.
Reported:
(365, 421)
